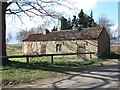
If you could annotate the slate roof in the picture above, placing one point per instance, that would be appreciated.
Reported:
(85, 33)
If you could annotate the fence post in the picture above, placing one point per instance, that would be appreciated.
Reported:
(27, 60)
(90, 55)
(52, 59)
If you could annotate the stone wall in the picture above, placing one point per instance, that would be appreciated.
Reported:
(67, 47)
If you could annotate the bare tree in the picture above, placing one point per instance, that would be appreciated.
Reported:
(116, 35)
(40, 8)
(39, 29)
(9, 37)
(23, 34)
(105, 22)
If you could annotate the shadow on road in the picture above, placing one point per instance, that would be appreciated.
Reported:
(98, 77)
(105, 76)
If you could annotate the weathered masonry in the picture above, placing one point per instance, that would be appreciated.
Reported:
(94, 39)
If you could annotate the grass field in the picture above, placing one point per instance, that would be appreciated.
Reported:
(15, 49)
(40, 67)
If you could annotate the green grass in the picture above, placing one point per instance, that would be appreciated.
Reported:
(14, 50)
(22, 72)
(25, 74)
(112, 55)
(40, 67)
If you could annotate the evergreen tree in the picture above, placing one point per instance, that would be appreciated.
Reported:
(54, 29)
(69, 23)
(91, 22)
(85, 21)
(74, 22)
(82, 19)
(91, 14)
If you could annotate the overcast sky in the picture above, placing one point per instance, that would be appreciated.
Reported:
(108, 8)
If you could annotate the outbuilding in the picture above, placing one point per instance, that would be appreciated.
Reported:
(94, 39)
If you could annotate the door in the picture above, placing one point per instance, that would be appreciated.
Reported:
(81, 49)
(43, 48)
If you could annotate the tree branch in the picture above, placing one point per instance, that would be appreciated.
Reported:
(38, 5)
(22, 10)
(35, 8)
(8, 4)
(17, 11)
(47, 13)
(19, 18)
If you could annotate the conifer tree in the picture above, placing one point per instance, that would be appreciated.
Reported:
(54, 29)
(74, 22)
(81, 18)
(90, 20)
(69, 26)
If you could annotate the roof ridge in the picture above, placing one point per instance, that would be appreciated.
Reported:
(86, 33)
(66, 30)
(35, 33)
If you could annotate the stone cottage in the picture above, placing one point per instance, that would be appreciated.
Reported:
(95, 39)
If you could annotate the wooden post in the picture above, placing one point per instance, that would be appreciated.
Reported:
(90, 55)
(52, 59)
(27, 60)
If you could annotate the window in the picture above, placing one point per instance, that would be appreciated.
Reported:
(81, 48)
(58, 47)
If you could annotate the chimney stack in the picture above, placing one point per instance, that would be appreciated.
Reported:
(45, 31)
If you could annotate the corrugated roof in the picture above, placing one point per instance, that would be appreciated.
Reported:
(85, 33)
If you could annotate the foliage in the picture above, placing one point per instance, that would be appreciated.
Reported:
(83, 20)
(91, 22)
(69, 23)
(74, 22)
(54, 29)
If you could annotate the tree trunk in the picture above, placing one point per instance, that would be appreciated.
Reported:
(3, 33)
